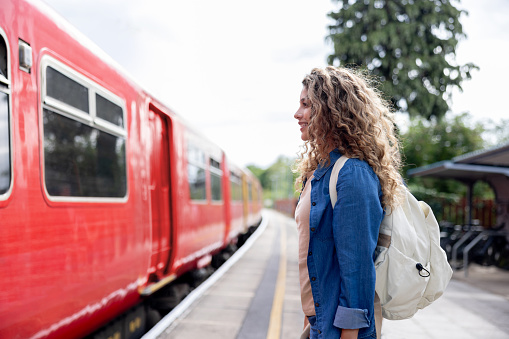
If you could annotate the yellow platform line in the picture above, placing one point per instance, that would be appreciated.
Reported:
(276, 313)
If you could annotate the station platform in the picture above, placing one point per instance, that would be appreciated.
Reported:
(259, 297)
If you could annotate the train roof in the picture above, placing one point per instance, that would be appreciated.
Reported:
(88, 44)
(81, 38)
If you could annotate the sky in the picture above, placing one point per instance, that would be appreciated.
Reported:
(233, 69)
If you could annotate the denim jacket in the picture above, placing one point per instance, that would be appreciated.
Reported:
(342, 246)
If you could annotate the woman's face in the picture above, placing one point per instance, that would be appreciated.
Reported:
(303, 114)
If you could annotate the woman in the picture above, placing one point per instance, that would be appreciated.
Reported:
(341, 114)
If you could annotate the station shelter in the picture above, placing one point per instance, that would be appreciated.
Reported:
(489, 165)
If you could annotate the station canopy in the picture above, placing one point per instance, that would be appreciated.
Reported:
(473, 166)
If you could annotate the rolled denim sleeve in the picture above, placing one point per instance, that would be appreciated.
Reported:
(356, 221)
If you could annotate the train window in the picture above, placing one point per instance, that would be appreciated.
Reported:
(109, 111)
(81, 161)
(196, 173)
(3, 60)
(66, 90)
(5, 156)
(5, 144)
(215, 180)
(235, 187)
(84, 154)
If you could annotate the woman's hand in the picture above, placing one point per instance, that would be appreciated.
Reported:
(349, 334)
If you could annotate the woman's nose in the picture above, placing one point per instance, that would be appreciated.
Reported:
(298, 114)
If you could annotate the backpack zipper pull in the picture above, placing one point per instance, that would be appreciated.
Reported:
(421, 268)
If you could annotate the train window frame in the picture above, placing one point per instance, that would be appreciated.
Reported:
(235, 187)
(90, 120)
(63, 105)
(5, 88)
(217, 173)
(199, 162)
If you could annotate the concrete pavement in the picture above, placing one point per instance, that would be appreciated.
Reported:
(259, 297)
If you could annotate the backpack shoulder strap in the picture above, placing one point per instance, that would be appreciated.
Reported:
(334, 179)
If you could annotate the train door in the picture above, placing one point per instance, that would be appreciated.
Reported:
(227, 198)
(160, 193)
(245, 201)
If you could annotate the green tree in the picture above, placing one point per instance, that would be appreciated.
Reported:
(427, 142)
(277, 180)
(410, 45)
(259, 173)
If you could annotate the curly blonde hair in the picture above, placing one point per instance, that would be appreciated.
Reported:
(348, 113)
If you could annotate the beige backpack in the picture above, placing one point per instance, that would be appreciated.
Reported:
(411, 268)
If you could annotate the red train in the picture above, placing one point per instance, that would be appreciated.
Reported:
(106, 195)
